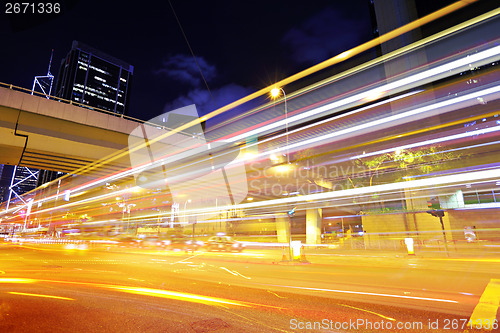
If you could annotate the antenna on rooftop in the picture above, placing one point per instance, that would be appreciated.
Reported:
(44, 82)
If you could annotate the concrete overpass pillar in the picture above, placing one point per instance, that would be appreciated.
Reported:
(313, 226)
(221, 225)
(282, 228)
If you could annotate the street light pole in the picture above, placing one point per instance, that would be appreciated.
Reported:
(186, 216)
(275, 92)
(290, 214)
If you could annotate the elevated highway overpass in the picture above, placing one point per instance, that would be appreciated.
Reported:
(47, 134)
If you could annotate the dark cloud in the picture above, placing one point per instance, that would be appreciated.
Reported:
(183, 68)
(203, 101)
(324, 35)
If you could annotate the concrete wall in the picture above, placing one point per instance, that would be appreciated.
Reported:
(486, 221)
(387, 231)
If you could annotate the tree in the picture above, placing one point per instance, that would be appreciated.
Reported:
(405, 164)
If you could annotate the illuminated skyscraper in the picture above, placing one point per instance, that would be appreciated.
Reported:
(93, 78)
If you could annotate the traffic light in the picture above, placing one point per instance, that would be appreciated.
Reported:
(436, 212)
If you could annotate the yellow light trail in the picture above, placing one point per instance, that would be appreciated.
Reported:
(386, 57)
(17, 280)
(332, 61)
(341, 57)
(327, 63)
(43, 296)
(414, 132)
(208, 300)
(176, 295)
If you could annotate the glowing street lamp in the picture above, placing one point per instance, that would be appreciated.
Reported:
(275, 92)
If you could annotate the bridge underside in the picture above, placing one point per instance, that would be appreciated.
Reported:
(43, 142)
(50, 135)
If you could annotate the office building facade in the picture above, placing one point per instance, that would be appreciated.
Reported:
(95, 79)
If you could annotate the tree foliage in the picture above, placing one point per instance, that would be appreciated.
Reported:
(404, 163)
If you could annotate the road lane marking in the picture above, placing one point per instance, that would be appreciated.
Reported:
(375, 313)
(235, 273)
(467, 259)
(366, 293)
(269, 291)
(252, 320)
(40, 295)
(180, 261)
(485, 312)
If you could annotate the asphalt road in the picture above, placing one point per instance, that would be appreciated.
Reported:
(52, 289)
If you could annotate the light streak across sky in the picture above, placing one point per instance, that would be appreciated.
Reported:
(450, 68)
(430, 142)
(466, 100)
(469, 177)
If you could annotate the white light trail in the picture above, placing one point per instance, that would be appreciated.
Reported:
(419, 183)
(364, 108)
(420, 77)
(370, 294)
(429, 142)
(384, 122)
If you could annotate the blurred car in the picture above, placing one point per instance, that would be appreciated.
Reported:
(181, 242)
(224, 243)
(127, 241)
(150, 242)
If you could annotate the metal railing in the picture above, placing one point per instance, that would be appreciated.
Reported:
(66, 101)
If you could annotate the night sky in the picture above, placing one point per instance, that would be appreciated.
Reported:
(240, 46)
